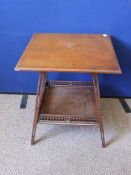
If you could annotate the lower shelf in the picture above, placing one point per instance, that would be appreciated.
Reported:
(67, 102)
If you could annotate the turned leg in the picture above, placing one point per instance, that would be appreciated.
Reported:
(98, 106)
(39, 96)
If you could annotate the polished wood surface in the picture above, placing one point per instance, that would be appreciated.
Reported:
(69, 101)
(69, 53)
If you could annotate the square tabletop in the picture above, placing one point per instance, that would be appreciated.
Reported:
(91, 53)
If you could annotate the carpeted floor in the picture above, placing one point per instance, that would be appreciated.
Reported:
(63, 150)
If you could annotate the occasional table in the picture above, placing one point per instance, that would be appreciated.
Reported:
(69, 102)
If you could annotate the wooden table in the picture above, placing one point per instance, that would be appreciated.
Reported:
(69, 102)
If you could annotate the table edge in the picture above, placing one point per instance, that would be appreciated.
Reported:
(69, 70)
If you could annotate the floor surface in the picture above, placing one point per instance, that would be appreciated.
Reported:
(63, 150)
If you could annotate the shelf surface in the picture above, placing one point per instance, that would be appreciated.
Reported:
(69, 102)
(92, 53)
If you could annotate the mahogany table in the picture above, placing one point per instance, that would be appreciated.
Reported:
(69, 102)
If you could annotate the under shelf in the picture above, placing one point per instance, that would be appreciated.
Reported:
(68, 102)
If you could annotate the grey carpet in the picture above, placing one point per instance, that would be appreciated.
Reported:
(63, 150)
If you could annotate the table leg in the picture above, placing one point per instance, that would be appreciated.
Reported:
(98, 105)
(40, 92)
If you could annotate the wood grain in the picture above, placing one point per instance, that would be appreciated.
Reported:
(69, 53)
(69, 101)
